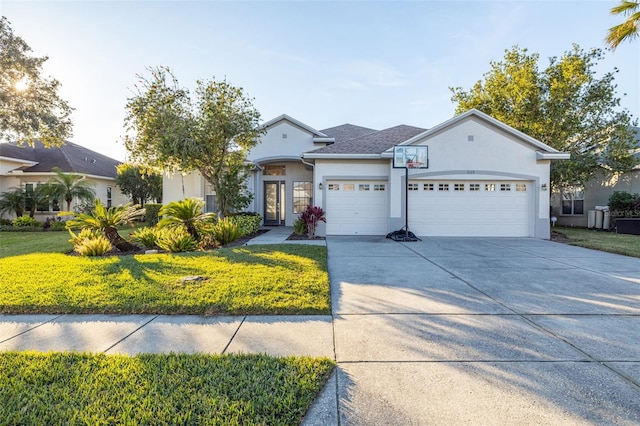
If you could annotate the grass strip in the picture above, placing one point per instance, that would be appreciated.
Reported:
(628, 245)
(258, 279)
(160, 389)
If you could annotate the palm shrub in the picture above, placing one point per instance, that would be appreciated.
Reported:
(93, 246)
(148, 237)
(225, 231)
(13, 200)
(84, 234)
(176, 240)
(186, 213)
(311, 216)
(106, 220)
(70, 186)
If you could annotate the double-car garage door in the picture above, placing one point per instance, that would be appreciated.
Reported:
(436, 208)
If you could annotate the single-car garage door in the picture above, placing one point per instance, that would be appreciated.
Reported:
(473, 209)
(357, 207)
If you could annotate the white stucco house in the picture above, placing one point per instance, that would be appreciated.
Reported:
(484, 178)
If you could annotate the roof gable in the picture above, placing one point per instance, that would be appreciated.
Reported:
(479, 115)
(297, 123)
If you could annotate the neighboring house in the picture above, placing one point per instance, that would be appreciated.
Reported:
(28, 167)
(484, 178)
(571, 207)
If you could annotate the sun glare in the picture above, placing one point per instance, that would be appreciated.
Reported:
(22, 84)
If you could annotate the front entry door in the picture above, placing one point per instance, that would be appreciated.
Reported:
(274, 207)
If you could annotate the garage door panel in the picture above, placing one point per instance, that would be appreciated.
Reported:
(470, 213)
(357, 211)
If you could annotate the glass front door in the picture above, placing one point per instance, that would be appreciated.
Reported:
(274, 205)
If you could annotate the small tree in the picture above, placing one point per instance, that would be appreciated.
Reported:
(68, 186)
(139, 183)
(311, 216)
(106, 220)
(30, 107)
(13, 200)
(211, 133)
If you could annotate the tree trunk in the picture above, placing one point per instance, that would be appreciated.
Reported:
(111, 233)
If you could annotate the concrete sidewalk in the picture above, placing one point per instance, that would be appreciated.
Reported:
(279, 235)
(133, 334)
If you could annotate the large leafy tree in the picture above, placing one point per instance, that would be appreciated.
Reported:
(68, 186)
(139, 183)
(565, 106)
(30, 107)
(210, 133)
(630, 28)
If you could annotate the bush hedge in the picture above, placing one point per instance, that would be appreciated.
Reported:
(151, 214)
(248, 222)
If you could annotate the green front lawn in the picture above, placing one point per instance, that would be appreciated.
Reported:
(625, 244)
(83, 389)
(269, 279)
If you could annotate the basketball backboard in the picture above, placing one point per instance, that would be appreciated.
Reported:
(411, 157)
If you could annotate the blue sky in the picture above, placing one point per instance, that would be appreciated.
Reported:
(374, 64)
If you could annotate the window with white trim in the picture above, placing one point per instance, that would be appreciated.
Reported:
(334, 187)
(379, 187)
(505, 187)
(274, 170)
(490, 187)
(521, 187)
(427, 186)
(364, 187)
(573, 201)
(412, 187)
(474, 187)
(458, 186)
(443, 187)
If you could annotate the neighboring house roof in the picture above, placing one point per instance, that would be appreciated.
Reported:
(70, 158)
(371, 143)
(347, 132)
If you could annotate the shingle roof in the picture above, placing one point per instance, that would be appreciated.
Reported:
(70, 158)
(372, 143)
(347, 132)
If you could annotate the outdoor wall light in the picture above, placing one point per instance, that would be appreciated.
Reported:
(544, 187)
(320, 186)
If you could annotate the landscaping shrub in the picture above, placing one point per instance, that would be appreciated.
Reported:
(93, 246)
(621, 200)
(54, 224)
(249, 223)
(84, 234)
(146, 236)
(6, 222)
(311, 216)
(225, 231)
(299, 227)
(11, 228)
(26, 221)
(176, 240)
(151, 216)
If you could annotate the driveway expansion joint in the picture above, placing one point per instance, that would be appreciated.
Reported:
(244, 317)
(129, 335)
(32, 328)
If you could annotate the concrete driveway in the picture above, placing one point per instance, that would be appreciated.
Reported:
(482, 331)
